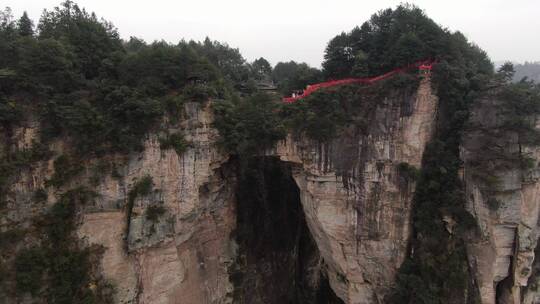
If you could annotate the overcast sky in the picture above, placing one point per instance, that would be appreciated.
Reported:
(282, 30)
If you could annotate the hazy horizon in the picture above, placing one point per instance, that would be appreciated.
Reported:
(285, 30)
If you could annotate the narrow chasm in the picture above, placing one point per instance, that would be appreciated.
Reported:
(277, 260)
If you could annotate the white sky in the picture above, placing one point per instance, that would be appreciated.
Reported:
(282, 30)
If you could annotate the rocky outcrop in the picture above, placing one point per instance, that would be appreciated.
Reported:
(351, 209)
(183, 256)
(355, 195)
(505, 203)
(356, 201)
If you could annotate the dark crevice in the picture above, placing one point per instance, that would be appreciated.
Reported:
(503, 290)
(535, 272)
(278, 260)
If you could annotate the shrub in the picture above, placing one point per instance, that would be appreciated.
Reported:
(527, 162)
(18, 159)
(319, 116)
(40, 195)
(65, 168)
(153, 213)
(409, 172)
(250, 125)
(174, 141)
(60, 268)
(10, 112)
(10, 237)
(493, 203)
(174, 105)
(141, 187)
(199, 92)
(30, 266)
(323, 115)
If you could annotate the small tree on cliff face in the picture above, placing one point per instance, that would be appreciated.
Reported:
(521, 106)
(506, 71)
(26, 25)
(521, 103)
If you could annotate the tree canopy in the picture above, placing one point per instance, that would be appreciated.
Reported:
(393, 38)
(76, 74)
(290, 76)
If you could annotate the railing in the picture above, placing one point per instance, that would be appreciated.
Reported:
(423, 65)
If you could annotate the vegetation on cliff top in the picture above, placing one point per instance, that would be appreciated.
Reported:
(84, 83)
(102, 94)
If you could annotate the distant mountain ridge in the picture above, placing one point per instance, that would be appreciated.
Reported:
(529, 69)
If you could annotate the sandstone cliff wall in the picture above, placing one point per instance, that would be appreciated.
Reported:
(506, 211)
(354, 193)
(356, 200)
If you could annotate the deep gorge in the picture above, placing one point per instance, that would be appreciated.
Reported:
(278, 261)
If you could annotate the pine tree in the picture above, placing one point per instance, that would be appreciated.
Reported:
(506, 71)
(26, 26)
(261, 68)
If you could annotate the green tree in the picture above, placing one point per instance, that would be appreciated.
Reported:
(506, 71)
(8, 36)
(361, 64)
(229, 60)
(92, 40)
(290, 76)
(261, 69)
(134, 44)
(338, 57)
(6, 20)
(391, 38)
(249, 125)
(45, 65)
(25, 25)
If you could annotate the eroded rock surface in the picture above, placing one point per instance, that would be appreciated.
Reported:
(506, 209)
(355, 198)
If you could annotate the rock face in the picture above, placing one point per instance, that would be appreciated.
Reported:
(359, 214)
(507, 212)
(183, 256)
(355, 194)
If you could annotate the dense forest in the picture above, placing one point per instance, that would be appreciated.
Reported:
(72, 73)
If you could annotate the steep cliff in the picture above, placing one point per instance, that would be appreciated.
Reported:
(180, 253)
(166, 172)
(501, 185)
(184, 242)
(357, 192)
(303, 222)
